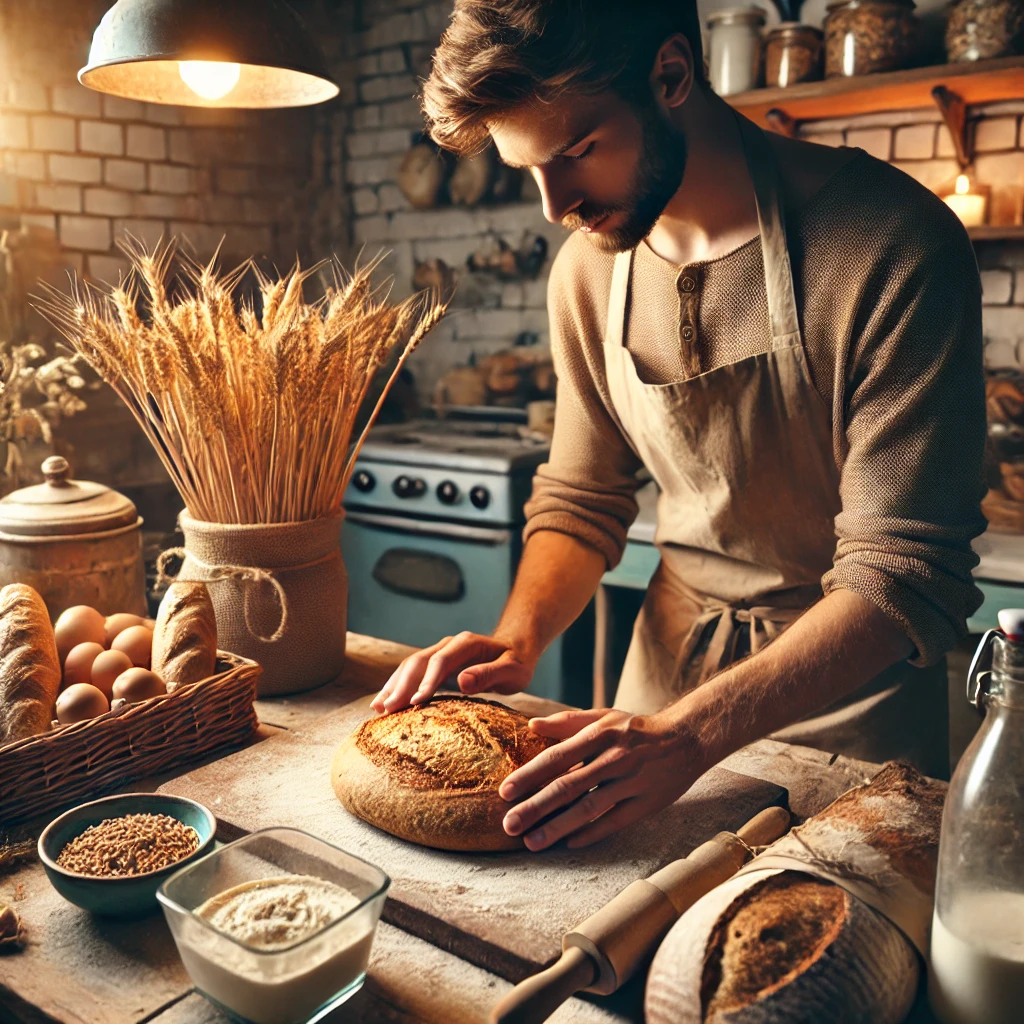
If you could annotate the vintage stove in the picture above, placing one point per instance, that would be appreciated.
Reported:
(432, 538)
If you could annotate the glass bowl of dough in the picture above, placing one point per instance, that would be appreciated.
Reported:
(276, 927)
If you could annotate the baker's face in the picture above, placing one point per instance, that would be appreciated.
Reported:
(603, 167)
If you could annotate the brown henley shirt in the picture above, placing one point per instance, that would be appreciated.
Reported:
(890, 305)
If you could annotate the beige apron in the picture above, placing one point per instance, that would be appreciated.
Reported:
(749, 494)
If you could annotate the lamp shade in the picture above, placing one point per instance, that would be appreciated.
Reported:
(207, 53)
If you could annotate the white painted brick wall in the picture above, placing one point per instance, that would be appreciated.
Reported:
(53, 134)
(145, 142)
(126, 174)
(101, 137)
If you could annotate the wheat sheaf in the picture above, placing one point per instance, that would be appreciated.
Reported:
(252, 410)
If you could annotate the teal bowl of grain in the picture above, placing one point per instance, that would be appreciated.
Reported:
(126, 895)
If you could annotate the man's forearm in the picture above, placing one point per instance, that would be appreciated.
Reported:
(557, 577)
(838, 645)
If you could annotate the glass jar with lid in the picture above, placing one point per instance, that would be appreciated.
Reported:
(867, 36)
(977, 944)
(793, 54)
(984, 29)
(735, 47)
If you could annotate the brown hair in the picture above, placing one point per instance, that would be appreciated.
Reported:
(497, 55)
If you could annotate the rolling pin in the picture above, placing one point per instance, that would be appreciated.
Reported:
(605, 951)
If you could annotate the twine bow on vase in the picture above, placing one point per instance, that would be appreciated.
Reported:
(246, 574)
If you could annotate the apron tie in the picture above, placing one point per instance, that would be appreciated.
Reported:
(728, 621)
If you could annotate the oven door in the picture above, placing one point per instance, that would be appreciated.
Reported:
(416, 581)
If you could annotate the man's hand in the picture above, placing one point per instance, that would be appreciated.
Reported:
(476, 663)
(610, 769)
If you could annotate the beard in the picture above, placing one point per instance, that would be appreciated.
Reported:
(658, 176)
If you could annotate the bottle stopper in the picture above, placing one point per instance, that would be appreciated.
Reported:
(1011, 622)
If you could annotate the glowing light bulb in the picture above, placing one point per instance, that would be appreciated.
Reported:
(963, 185)
(209, 78)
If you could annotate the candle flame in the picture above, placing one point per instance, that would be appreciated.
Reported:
(963, 185)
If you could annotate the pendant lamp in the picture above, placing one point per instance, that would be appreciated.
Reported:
(207, 53)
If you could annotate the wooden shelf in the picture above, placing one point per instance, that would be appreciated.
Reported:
(992, 234)
(976, 82)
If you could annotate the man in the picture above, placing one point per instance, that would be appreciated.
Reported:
(788, 337)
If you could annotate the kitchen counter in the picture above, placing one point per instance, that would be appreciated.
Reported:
(83, 970)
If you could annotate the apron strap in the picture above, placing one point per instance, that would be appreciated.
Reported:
(778, 271)
(618, 299)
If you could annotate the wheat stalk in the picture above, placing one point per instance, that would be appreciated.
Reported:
(252, 413)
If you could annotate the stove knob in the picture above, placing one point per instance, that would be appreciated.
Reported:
(364, 481)
(480, 496)
(409, 487)
(447, 492)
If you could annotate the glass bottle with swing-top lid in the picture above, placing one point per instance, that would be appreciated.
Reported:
(977, 945)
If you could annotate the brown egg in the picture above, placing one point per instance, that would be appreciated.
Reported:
(78, 664)
(137, 643)
(80, 702)
(107, 667)
(138, 684)
(78, 625)
(120, 622)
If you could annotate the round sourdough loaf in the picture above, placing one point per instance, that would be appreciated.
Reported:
(430, 774)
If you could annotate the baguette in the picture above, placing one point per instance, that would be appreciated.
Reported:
(430, 774)
(185, 635)
(29, 666)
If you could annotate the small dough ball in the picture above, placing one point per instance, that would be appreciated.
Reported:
(137, 643)
(79, 662)
(78, 625)
(138, 684)
(79, 703)
(107, 667)
(118, 623)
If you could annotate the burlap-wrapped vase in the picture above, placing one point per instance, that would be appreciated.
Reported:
(280, 592)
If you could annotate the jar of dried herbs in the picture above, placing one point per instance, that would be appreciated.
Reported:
(793, 54)
(866, 36)
(984, 29)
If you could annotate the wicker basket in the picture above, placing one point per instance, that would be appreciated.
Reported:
(84, 760)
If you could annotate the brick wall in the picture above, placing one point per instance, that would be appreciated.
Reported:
(390, 48)
(918, 142)
(387, 52)
(88, 169)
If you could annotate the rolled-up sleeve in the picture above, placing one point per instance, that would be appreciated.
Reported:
(586, 488)
(913, 410)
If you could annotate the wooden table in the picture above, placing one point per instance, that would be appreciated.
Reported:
(84, 970)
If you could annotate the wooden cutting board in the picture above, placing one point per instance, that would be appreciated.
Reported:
(504, 912)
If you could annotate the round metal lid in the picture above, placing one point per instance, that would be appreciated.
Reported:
(64, 506)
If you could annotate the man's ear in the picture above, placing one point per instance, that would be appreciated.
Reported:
(672, 76)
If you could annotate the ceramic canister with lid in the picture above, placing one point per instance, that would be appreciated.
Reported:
(735, 49)
(74, 541)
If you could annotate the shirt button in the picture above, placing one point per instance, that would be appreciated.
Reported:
(687, 334)
(687, 284)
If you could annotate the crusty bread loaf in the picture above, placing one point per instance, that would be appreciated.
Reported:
(787, 947)
(821, 926)
(185, 636)
(430, 774)
(29, 667)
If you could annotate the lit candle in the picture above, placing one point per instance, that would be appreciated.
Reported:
(967, 205)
